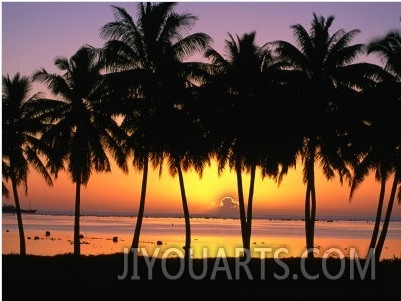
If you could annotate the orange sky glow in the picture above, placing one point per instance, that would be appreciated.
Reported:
(118, 192)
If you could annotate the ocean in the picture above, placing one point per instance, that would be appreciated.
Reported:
(52, 234)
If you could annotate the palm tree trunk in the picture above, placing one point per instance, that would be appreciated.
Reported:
(77, 241)
(241, 203)
(310, 207)
(249, 209)
(307, 217)
(22, 245)
(376, 228)
(382, 238)
(313, 207)
(141, 210)
(187, 248)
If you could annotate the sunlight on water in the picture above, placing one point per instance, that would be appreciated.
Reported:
(210, 237)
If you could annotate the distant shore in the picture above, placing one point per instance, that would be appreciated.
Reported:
(231, 276)
(328, 218)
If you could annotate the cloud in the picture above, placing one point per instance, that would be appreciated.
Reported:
(227, 206)
(228, 203)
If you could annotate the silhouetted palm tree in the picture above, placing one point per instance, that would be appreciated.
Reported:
(185, 147)
(22, 127)
(245, 83)
(238, 75)
(373, 160)
(148, 57)
(83, 132)
(387, 124)
(327, 77)
(376, 153)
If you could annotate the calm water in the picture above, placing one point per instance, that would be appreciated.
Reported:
(210, 236)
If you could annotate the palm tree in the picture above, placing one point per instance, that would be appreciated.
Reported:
(243, 83)
(376, 147)
(373, 160)
(83, 132)
(141, 145)
(383, 155)
(185, 147)
(147, 59)
(237, 75)
(22, 147)
(328, 84)
(388, 48)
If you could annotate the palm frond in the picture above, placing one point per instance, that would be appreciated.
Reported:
(215, 57)
(191, 44)
(327, 169)
(291, 55)
(118, 55)
(333, 42)
(360, 75)
(342, 39)
(37, 163)
(303, 39)
(345, 55)
(193, 75)
(117, 152)
(360, 173)
(4, 191)
(54, 82)
(62, 63)
(122, 28)
(388, 49)
(15, 89)
(176, 26)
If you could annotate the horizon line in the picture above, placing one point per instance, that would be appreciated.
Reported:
(293, 217)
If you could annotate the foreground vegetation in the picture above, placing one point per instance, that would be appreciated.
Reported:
(99, 274)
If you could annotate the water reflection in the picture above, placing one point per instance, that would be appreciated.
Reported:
(210, 237)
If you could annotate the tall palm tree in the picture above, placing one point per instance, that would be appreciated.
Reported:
(388, 48)
(22, 147)
(185, 147)
(378, 149)
(328, 76)
(238, 75)
(245, 81)
(373, 160)
(83, 131)
(147, 59)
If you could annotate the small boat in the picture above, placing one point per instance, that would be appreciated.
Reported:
(12, 209)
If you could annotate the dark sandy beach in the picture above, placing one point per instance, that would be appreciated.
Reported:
(52, 277)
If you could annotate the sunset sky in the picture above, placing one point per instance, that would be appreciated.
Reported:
(33, 34)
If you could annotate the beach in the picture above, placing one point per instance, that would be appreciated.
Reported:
(108, 269)
(99, 277)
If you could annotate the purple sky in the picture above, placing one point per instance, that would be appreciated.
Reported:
(34, 33)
